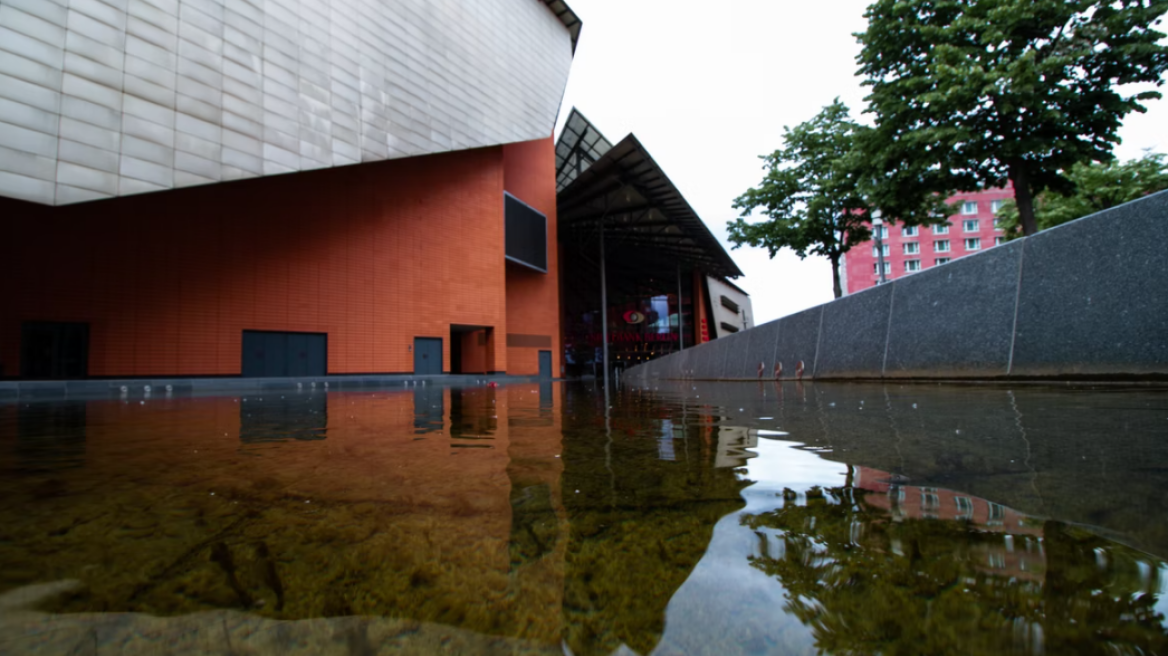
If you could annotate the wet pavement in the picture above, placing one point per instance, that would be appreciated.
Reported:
(681, 518)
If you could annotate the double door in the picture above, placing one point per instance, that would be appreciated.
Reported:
(427, 356)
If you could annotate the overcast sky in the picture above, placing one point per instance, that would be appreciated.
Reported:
(707, 87)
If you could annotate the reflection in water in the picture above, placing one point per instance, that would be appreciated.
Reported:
(50, 437)
(474, 417)
(429, 409)
(889, 520)
(278, 418)
(639, 523)
(903, 569)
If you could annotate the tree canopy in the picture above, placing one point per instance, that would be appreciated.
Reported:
(819, 190)
(1098, 186)
(866, 582)
(978, 92)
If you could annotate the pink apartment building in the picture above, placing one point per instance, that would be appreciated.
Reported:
(908, 250)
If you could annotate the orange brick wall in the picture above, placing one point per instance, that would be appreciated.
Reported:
(533, 298)
(373, 255)
(475, 353)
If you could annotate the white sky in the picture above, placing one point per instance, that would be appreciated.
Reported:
(707, 87)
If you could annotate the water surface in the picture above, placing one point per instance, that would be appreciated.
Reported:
(674, 519)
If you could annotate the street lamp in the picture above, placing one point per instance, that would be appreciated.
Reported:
(878, 225)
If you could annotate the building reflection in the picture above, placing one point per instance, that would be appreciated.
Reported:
(429, 409)
(300, 416)
(877, 566)
(474, 418)
(51, 437)
(642, 499)
(578, 525)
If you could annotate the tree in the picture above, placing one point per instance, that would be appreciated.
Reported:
(978, 92)
(819, 190)
(1098, 186)
(866, 582)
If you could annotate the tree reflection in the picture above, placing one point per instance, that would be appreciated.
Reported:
(869, 579)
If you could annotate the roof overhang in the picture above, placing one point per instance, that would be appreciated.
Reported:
(625, 190)
(568, 18)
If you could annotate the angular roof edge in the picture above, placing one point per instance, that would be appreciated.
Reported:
(568, 18)
(628, 163)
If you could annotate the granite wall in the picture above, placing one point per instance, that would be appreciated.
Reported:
(1086, 299)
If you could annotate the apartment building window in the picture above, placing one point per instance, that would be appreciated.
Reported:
(973, 244)
(909, 231)
(969, 207)
(941, 260)
(930, 500)
(941, 246)
(881, 232)
(997, 513)
(912, 248)
(997, 223)
(912, 265)
(941, 229)
(998, 241)
(969, 225)
(996, 205)
(964, 507)
(884, 247)
(887, 268)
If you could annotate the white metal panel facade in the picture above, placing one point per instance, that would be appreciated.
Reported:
(740, 319)
(103, 98)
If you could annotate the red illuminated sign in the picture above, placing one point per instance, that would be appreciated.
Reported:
(633, 338)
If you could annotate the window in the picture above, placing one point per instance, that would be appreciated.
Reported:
(884, 247)
(887, 268)
(998, 241)
(912, 248)
(881, 232)
(941, 229)
(729, 304)
(964, 507)
(941, 246)
(912, 265)
(526, 239)
(941, 260)
(969, 225)
(969, 207)
(996, 205)
(727, 327)
(930, 500)
(909, 231)
(997, 512)
(973, 244)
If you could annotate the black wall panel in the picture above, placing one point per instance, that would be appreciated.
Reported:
(526, 240)
(276, 355)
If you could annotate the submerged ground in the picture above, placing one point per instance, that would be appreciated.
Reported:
(680, 518)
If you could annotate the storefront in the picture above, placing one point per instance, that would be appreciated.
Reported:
(635, 258)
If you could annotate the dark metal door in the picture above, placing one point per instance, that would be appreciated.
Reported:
(427, 356)
(275, 355)
(545, 364)
(306, 354)
(54, 350)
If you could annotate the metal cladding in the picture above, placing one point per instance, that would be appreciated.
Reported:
(106, 98)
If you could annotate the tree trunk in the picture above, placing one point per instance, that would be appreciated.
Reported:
(835, 276)
(1020, 177)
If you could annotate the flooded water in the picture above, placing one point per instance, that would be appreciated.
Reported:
(687, 518)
